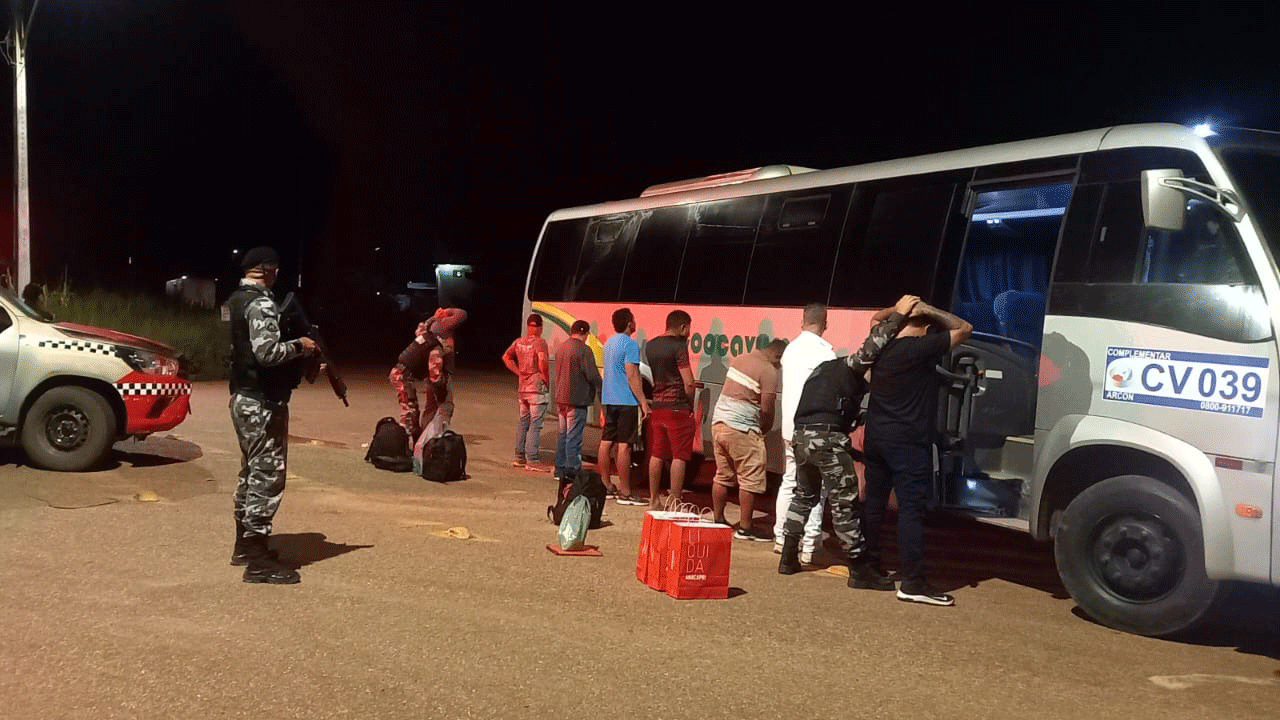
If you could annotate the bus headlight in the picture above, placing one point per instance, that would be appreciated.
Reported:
(149, 363)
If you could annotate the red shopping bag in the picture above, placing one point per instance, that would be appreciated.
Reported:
(653, 541)
(697, 563)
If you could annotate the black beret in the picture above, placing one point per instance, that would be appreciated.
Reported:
(259, 256)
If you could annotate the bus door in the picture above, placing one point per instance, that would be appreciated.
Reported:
(987, 407)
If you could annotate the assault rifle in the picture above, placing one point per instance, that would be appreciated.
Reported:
(294, 324)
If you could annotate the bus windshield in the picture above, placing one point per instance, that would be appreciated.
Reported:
(1256, 172)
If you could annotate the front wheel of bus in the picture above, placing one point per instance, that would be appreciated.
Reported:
(1131, 552)
(68, 428)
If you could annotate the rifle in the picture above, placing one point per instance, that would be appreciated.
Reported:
(294, 318)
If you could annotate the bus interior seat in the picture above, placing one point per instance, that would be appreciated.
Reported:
(1020, 315)
(979, 314)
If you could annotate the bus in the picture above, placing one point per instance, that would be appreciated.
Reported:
(1119, 394)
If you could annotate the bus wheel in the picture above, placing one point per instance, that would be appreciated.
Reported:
(68, 428)
(1131, 553)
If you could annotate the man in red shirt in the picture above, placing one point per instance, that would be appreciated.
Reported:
(671, 422)
(527, 358)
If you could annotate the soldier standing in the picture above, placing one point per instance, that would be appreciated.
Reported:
(825, 415)
(264, 371)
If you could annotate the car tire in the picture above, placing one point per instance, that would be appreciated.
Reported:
(68, 428)
(1130, 551)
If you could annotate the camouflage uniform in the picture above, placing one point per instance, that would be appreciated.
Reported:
(824, 462)
(824, 459)
(263, 378)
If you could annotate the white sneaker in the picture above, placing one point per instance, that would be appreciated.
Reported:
(777, 548)
(806, 557)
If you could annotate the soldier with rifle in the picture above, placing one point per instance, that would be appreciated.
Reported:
(265, 368)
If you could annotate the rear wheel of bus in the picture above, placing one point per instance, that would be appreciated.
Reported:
(68, 428)
(1131, 552)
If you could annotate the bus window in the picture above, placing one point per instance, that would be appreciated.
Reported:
(714, 269)
(1206, 251)
(1112, 266)
(797, 241)
(553, 275)
(1004, 274)
(1113, 258)
(651, 271)
(891, 241)
(604, 251)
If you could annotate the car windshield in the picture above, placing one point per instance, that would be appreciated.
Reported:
(12, 298)
(1255, 169)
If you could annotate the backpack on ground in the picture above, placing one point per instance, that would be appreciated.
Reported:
(573, 484)
(444, 459)
(389, 448)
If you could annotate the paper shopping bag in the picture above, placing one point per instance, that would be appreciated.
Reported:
(697, 564)
(653, 540)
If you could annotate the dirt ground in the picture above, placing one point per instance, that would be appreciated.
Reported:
(119, 603)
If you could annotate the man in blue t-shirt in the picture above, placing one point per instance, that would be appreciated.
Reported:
(624, 404)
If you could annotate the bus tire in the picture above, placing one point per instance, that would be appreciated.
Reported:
(68, 428)
(1131, 552)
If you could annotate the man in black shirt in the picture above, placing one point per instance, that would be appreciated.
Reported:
(901, 418)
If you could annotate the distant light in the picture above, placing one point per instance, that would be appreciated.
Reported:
(184, 277)
(1203, 130)
(235, 252)
(377, 249)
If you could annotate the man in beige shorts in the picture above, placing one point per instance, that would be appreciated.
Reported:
(743, 414)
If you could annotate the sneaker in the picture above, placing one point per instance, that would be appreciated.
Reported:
(518, 462)
(752, 535)
(611, 491)
(806, 557)
(920, 592)
(537, 467)
(631, 500)
(777, 548)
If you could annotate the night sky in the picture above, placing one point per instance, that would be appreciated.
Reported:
(166, 133)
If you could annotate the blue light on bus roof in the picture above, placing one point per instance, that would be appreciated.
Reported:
(1017, 214)
(1203, 130)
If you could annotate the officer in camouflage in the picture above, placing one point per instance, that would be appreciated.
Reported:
(824, 418)
(264, 371)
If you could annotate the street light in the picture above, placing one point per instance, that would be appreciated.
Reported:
(15, 45)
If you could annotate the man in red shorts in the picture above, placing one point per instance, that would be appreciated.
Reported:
(671, 422)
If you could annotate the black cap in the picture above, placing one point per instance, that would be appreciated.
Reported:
(579, 327)
(259, 256)
(534, 319)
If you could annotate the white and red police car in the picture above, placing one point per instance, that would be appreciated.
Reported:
(68, 391)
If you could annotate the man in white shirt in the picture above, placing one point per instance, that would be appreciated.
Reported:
(802, 355)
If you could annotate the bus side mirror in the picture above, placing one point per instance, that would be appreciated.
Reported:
(1163, 206)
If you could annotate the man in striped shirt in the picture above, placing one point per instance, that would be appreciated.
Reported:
(742, 416)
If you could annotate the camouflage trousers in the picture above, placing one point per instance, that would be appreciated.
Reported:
(824, 464)
(263, 431)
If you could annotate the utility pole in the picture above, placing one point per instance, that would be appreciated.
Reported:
(16, 44)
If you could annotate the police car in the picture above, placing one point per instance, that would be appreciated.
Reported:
(68, 391)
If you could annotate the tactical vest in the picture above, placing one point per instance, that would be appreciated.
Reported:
(248, 377)
(831, 396)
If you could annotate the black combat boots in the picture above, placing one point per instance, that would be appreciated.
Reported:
(864, 575)
(263, 568)
(789, 564)
(240, 553)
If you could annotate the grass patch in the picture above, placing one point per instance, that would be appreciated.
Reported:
(198, 334)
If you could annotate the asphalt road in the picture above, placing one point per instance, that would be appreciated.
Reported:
(118, 602)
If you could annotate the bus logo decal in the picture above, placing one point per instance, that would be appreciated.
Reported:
(1209, 382)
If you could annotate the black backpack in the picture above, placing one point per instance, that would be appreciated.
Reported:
(444, 459)
(389, 448)
(573, 484)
